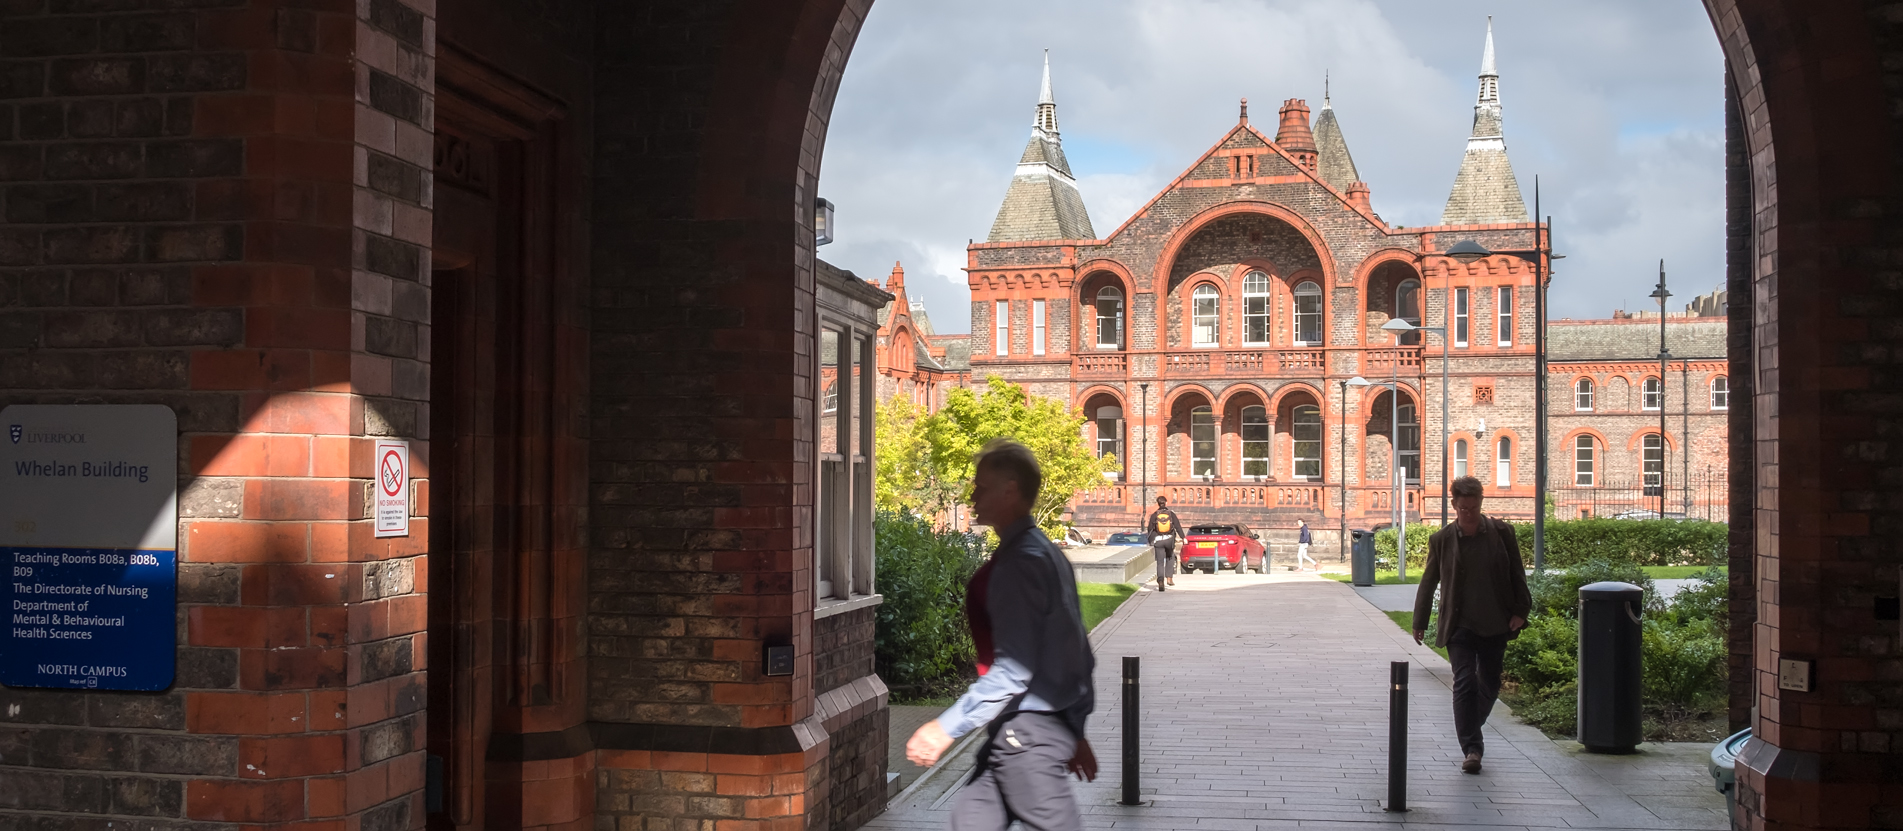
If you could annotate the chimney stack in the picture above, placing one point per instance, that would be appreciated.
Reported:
(1294, 136)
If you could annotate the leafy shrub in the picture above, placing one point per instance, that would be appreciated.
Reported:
(1646, 542)
(1545, 656)
(1555, 710)
(1417, 534)
(1707, 600)
(922, 642)
(1557, 592)
(1684, 665)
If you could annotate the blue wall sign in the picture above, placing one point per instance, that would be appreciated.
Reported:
(89, 544)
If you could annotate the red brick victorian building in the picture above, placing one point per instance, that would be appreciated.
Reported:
(1208, 339)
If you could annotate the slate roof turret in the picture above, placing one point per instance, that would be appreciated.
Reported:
(1043, 202)
(1485, 190)
(1335, 164)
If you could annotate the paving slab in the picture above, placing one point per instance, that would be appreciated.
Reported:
(1265, 706)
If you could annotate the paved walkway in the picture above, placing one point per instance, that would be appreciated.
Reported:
(1267, 708)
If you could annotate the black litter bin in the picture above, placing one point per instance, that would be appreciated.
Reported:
(1610, 667)
(1363, 568)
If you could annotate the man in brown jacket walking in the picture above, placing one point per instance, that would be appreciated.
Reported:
(1475, 562)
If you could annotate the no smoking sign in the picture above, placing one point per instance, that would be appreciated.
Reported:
(392, 508)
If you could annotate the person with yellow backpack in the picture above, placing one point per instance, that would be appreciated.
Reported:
(1165, 531)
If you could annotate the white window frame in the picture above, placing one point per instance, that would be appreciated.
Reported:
(1651, 387)
(1585, 458)
(1113, 297)
(1305, 462)
(843, 504)
(1308, 313)
(1410, 418)
(1257, 321)
(1205, 317)
(1461, 318)
(1652, 470)
(1721, 392)
(1583, 391)
(1503, 462)
(1400, 291)
(1460, 458)
(1257, 437)
(1037, 327)
(1110, 417)
(1203, 419)
(1503, 317)
(1001, 328)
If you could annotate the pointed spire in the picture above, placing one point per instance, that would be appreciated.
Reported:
(1485, 190)
(1333, 161)
(1486, 57)
(897, 280)
(1043, 202)
(1046, 101)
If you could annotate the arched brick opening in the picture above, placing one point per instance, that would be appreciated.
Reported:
(695, 130)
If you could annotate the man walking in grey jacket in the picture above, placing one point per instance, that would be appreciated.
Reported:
(1475, 562)
(1034, 689)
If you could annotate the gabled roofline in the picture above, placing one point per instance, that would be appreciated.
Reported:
(1185, 177)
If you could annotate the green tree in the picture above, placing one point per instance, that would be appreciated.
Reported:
(925, 461)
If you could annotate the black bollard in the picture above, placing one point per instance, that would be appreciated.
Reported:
(1397, 736)
(1130, 721)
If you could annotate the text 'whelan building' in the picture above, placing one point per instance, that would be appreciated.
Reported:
(1210, 338)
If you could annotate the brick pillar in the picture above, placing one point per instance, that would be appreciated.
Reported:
(1741, 439)
(180, 222)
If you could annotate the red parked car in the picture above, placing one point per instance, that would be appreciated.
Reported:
(1232, 546)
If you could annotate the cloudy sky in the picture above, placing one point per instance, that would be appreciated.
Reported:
(1617, 105)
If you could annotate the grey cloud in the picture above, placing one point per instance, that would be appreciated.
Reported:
(1615, 105)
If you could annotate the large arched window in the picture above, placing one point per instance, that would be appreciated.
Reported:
(1109, 318)
(1255, 308)
(1652, 457)
(1721, 393)
(1410, 442)
(1307, 447)
(1407, 306)
(1654, 397)
(1583, 467)
(1460, 458)
(1308, 314)
(1202, 442)
(1255, 441)
(1503, 462)
(1110, 432)
(1582, 395)
(1205, 316)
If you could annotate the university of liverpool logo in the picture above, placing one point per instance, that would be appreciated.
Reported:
(15, 430)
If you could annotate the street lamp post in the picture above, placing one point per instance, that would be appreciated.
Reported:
(1341, 470)
(1397, 482)
(1401, 325)
(1467, 251)
(1665, 355)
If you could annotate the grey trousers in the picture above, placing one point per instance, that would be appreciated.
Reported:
(1165, 551)
(1478, 662)
(1021, 776)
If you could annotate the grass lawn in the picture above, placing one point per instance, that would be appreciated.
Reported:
(1675, 572)
(1405, 620)
(1381, 578)
(1100, 599)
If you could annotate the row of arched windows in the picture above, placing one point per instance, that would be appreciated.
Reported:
(1205, 312)
(1586, 452)
(1502, 461)
(1652, 394)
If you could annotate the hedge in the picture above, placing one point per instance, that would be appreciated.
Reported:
(1571, 542)
(922, 644)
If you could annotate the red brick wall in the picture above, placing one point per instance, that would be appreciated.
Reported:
(180, 213)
